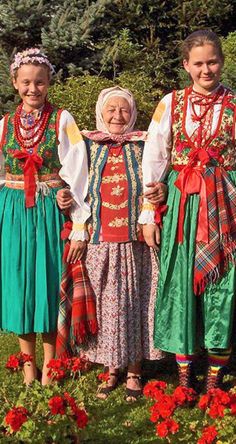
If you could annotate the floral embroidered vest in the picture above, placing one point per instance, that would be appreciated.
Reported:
(47, 148)
(221, 145)
(105, 181)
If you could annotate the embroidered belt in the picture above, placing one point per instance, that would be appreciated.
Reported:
(42, 182)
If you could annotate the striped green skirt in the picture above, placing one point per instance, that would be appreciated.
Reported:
(184, 321)
(30, 262)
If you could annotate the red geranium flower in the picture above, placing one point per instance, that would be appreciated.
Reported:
(16, 417)
(233, 403)
(204, 402)
(57, 405)
(104, 376)
(155, 415)
(16, 362)
(81, 418)
(57, 369)
(216, 410)
(163, 408)
(78, 364)
(165, 427)
(56, 364)
(208, 435)
(12, 363)
(71, 402)
(214, 397)
(184, 394)
(220, 396)
(154, 389)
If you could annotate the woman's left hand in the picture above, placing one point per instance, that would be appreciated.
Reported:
(157, 192)
(76, 251)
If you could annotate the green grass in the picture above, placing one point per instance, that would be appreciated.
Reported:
(113, 421)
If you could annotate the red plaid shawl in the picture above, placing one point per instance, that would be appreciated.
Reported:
(212, 257)
(77, 310)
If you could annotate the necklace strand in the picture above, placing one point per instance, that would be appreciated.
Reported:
(27, 142)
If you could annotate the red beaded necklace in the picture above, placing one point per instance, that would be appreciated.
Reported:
(35, 137)
(205, 101)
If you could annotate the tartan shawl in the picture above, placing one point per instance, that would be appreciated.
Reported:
(77, 309)
(212, 259)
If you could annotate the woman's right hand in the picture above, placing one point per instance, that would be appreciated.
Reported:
(151, 234)
(64, 199)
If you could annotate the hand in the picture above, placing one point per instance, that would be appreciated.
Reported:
(64, 199)
(157, 192)
(152, 236)
(76, 251)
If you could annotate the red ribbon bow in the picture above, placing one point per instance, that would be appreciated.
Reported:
(159, 213)
(32, 163)
(191, 181)
(67, 228)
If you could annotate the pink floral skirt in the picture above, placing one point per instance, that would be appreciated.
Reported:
(124, 279)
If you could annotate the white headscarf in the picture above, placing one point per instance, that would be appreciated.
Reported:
(101, 134)
(104, 96)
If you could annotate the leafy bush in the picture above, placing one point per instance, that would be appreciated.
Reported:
(79, 95)
(229, 71)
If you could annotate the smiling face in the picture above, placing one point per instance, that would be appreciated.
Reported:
(204, 66)
(32, 82)
(116, 114)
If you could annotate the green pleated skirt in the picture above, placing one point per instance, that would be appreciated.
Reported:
(183, 321)
(30, 262)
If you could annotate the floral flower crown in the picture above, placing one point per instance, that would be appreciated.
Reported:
(29, 55)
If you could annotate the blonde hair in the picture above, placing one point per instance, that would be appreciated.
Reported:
(201, 38)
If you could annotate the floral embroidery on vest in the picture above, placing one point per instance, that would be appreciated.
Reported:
(47, 148)
(98, 155)
(221, 146)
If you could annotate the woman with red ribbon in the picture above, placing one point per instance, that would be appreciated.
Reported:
(37, 141)
(192, 144)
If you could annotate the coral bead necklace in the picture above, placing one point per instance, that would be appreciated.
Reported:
(31, 141)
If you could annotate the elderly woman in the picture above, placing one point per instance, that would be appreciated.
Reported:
(122, 269)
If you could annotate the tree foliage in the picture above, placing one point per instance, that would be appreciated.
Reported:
(108, 37)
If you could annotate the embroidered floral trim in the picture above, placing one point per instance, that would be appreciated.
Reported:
(119, 222)
(114, 206)
(117, 191)
(115, 178)
(115, 160)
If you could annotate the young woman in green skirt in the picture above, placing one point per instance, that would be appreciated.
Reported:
(192, 146)
(37, 141)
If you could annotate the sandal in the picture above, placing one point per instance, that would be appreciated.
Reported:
(107, 389)
(132, 393)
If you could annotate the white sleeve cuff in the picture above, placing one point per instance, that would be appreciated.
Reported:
(81, 235)
(147, 217)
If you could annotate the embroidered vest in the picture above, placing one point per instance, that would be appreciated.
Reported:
(222, 142)
(47, 148)
(132, 156)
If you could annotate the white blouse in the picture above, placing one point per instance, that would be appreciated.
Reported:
(74, 171)
(157, 149)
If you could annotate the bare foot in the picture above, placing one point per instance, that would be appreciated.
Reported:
(29, 372)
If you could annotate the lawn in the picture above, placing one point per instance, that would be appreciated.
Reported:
(113, 421)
